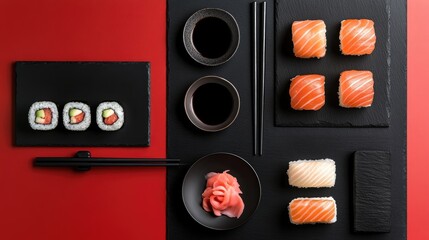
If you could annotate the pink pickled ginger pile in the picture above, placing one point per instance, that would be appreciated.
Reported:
(222, 195)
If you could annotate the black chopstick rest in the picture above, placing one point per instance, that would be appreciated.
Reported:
(82, 161)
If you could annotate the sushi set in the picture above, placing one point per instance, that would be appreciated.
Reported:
(332, 165)
(285, 119)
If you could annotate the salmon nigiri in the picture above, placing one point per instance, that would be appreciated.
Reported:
(307, 92)
(357, 37)
(356, 89)
(309, 38)
(312, 210)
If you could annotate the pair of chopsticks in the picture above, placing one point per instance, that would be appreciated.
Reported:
(258, 74)
(83, 161)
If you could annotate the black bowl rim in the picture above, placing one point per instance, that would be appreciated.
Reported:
(191, 114)
(189, 29)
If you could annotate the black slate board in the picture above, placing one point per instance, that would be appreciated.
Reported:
(90, 82)
(281, 145)
(372, 190)
(332, 12)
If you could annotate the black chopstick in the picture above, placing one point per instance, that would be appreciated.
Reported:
(255, 77)
(83, 161)
(262, 75)
(74, 162)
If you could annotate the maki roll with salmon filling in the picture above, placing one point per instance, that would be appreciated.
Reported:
(76, 116)
(110, 116)
(43, 116)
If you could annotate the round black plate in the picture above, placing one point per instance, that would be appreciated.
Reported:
(194, 185)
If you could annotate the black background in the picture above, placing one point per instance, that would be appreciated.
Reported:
(281, 145)
(92, 83)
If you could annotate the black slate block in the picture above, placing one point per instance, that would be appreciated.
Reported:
(90, 82)
(332, 12)
(372, 191)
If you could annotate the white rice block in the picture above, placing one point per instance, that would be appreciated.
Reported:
(311, 208)
(312, 173)
(118, 110)
(86, 122)
(41, 105)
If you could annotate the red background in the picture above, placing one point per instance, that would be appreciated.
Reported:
(130, 203)
(103, 203)
(418, 120)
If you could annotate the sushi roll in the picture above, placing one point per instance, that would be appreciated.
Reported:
(357, 37)
(43, 116)
(312, 210)
(110, 116)
(76, 116)
(356, 89)
(307, 92)
(312, 173)
(309, 38)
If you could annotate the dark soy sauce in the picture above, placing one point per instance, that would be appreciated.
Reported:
(212, 103)
(212, 37)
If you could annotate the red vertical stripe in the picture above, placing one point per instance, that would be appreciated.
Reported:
(418, 118)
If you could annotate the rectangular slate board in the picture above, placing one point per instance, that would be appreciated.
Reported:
(288, 66)
(281, 145)
(372, 190)
(92, 83)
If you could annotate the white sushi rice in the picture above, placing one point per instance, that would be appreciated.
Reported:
(82, 126)
(118, 110)
(32, 115)
(321, 198)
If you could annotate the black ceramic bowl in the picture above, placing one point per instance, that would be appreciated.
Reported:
(212, 103)
(211, 36)
(195, 182)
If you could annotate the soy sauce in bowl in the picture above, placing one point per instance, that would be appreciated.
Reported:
(212, 37)
(212, 103)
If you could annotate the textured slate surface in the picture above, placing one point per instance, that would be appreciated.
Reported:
(332, 12)
(281, 145)
(372, 191)
(89, 82)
